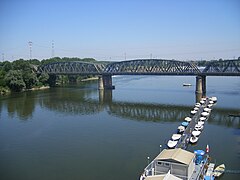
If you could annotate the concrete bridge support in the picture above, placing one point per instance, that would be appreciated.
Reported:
(105, 82)
(200, 85)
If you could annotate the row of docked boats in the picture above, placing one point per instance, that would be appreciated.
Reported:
(177, 163)
(200, 113)
(205, 112)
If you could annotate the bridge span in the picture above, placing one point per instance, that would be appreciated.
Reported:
(145, 67)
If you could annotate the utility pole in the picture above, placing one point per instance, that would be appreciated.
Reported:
(2, 56)
(151, 56)
(30, 49)
(52, 49)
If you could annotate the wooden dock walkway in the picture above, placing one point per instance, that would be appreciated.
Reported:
(184, 140)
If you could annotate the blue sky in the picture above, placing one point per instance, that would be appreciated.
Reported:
(111, 29)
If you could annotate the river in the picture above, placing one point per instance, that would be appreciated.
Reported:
(77, 132)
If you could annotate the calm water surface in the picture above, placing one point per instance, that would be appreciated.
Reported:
(77, 132)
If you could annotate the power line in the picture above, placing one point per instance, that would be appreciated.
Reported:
(52, 48)
(30, 49)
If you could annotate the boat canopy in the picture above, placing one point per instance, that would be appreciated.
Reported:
(184, 123)
(199, 152)
(176, 154)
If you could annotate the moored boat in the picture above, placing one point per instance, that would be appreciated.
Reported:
(171, 143)
(193, 112)
(196, 133)
(181, 129)
(193, 139)
(188, 119)
(198, 127)
(176, 137)
(187, 84)
(185, 124)
(214, 99)
(219, 170)
(197, 105)
(204, 114)
(211, 102)
(202, 118)
(176, 164)
(196, 108)
(200, 123)
(207, 110)
(209, 105)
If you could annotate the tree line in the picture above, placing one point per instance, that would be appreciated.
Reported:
(21, 74)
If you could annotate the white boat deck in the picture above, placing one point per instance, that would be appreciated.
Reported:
(210, 169)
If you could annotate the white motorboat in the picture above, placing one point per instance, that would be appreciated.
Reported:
(188, 119)
(198, 127)
(211, 102)
(202, 118)
(202, 102)
(172, 144)
(207, 110)
(219, 170)
(201, 123)
(209, 105)
(193, 139)
(204, 114)
(181, 129)
(187, 84)
(214, 99)
(193, 112)
(176, 137)
(196, 133)
(196, 108)
(197, 105)
(204, 99)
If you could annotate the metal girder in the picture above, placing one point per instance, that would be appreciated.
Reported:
(74, 67)
(143, 67)
(151, 67)
(231, 67)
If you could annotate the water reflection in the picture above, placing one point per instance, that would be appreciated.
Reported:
(22, 105)
(85, 102)
(71, 101)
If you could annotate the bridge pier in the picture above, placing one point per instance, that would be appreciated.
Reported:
(105, 82)
(200, 84)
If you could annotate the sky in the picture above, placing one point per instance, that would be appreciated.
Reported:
(120, 29)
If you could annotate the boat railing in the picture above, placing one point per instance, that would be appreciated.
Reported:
(149, 170)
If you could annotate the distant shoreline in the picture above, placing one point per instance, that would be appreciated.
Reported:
(90, 79)
(38, 88)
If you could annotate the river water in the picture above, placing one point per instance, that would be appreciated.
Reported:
(77, 132)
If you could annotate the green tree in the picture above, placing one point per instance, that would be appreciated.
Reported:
(43, 78)
(7, 66)
(14, 80)
(2, 81)
(30, 79)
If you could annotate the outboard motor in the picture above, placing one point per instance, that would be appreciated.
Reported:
(199, 156)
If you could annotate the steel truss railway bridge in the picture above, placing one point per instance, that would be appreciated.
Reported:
(144, 67)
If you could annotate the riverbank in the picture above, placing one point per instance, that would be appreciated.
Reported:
(38, 88)
(4, 91)
(89, 79)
